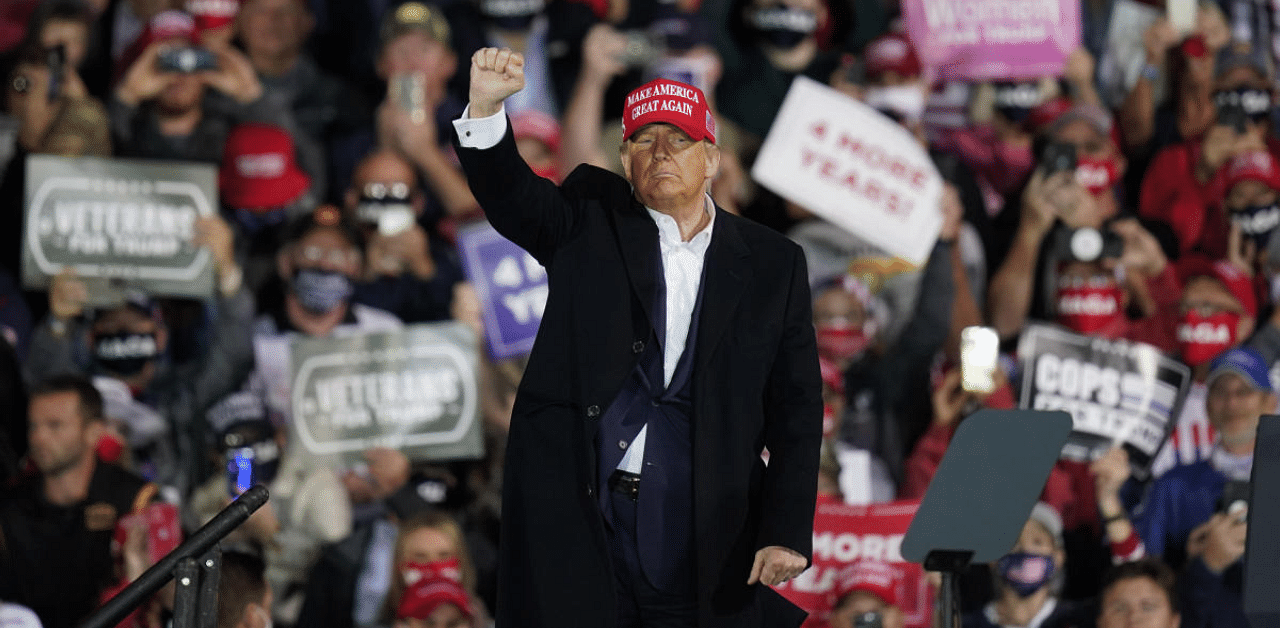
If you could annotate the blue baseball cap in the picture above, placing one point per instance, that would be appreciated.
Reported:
(1243, 362)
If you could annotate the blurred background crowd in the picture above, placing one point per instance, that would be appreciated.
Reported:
(341, 201)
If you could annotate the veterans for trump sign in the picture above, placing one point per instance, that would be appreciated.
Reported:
(118, 223)
(1118, 393)
(979, 40)
(853, 166)
(415, 390)
(844, 535)
(512, 287)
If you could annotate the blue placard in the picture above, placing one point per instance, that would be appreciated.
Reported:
(512, 287)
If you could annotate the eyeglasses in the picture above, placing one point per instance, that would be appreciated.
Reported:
(336, 257)
(379, 191)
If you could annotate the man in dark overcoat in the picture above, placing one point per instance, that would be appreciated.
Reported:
(676, 346)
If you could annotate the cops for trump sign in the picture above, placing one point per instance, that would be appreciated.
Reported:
(851, 165)
(118, 223)
(1118, 393)
(414, 390)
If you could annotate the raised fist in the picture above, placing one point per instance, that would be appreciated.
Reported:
(495, 75)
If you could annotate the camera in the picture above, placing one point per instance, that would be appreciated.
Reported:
(1233, 115)
(869, 619)
(1087, 244)
(55, 58)
(1058, 157)
(187, 60)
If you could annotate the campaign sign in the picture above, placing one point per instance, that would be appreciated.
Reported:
(512, 287)
(845, 534)
(855, 167)
(1118, 393)
(118, 223)
(414, 390)
(979, 40)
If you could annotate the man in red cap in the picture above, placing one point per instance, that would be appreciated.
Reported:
(677, 343)
(1252, 182)
(868, 587)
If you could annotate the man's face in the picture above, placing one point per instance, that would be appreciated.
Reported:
(60, 437)
(1136, 603)
(1234, 406)
(71, 35)
(1249, 193)
(428, 545)
(324, 249)
(1208, 296)
(416, 52)
(184, 92)
(838, 308)
(125, 320)
(382, 168)
(667, 168)
(274, 27)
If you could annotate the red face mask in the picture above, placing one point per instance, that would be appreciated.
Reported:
(1097, 175)
(840, 343)
(447, 568)
(1090, 306)
(1200, 338)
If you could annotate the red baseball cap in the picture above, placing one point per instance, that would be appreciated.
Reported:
(258, 168)
(875, 577)
(424, 596)
(672, 102)
(1233, 279)
(164, 25)
(1257, 165)
(534, 124)
(891, 52)
(211, 14)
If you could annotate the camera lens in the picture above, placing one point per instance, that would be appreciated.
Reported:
(1086, 244)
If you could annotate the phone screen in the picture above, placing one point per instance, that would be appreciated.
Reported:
(411, 94)
(240, 471)
(979, 359)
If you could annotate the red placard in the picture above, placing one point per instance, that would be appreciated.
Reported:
(844, 534)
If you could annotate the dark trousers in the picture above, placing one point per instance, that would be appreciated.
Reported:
(640, 605)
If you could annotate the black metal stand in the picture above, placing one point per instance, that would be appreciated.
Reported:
(951, 564)
(195, 565)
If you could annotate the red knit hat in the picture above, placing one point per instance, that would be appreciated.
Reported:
(673, 102)
(1233, 279)
(258, 169)
(211, 14)
(891, 52)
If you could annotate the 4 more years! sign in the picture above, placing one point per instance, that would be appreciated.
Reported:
(414, 390)
(118, 223)
(844, 535)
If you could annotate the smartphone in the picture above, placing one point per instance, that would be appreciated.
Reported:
(240, 470)
(1058, 157)
(411, 94)
(642, 48)
(187, 60)
(55, 58)
(979, 359)
(1235, 498)
(1232, 114)
(1181, 14)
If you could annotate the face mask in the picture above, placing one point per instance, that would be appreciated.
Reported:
(124, 353)
(1200, 338)
(320, 291)
(1255, 102)
(255, 221)
(1097, 176)
(447, 568)
(1257, 222)
(783, 27)
(905, 100)
(514, 15)
(1016, 100)
(1088, 306)
(839, 343)
(1025, 573)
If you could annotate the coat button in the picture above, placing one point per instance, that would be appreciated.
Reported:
(622, 444)
(593, 411)
(591, 491)
(637, 346)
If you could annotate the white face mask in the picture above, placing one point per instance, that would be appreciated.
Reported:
(907, 101)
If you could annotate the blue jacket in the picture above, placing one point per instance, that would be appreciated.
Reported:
(1180, 500)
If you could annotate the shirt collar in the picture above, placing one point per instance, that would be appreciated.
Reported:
(669, 231)
(1050, 604)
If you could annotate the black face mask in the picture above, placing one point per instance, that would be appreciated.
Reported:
(1015, 101)
(783, 27)
(124, 353)
(1256, 103)
(512, 15)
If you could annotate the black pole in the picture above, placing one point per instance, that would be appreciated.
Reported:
(952, 564)
(119, 607)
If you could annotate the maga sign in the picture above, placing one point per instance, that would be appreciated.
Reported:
(1118, 393)
(512, 287)
(979, 40)
(851, 165)
(845, 534)
(414, 390)
(118, 223)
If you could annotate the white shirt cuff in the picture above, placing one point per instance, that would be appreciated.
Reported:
(481, 133)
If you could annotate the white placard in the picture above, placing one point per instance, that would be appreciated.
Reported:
(851, 165)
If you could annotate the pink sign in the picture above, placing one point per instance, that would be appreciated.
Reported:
(980, 40)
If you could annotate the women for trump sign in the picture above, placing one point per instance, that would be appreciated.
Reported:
(978, 40)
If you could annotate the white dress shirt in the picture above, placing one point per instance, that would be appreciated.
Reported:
(681, 265)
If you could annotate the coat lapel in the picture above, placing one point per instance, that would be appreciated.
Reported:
(725, 280)
(638, 239)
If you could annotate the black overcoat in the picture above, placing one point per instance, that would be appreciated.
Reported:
(756, 384)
